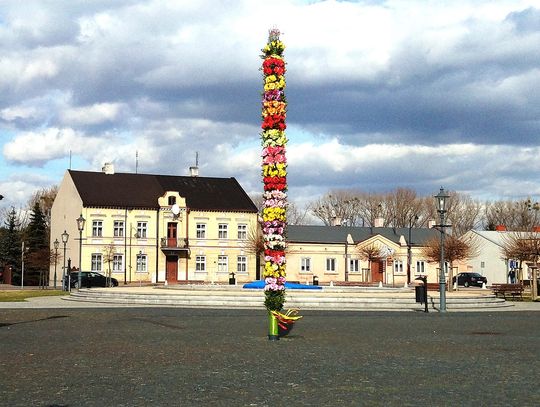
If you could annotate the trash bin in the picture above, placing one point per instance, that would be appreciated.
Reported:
(419, 291)
(232, 279)
(315, 280)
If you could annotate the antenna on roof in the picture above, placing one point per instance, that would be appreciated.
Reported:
(194, 171)
(136, 161)
(70, 159)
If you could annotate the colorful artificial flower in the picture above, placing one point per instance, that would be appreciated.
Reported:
(274, 171)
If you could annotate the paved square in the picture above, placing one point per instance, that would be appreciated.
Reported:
(171, 356)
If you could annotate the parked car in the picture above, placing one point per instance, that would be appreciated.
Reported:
(468, 279)
(90, 279)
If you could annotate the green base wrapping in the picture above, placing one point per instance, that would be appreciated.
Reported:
(273, 330)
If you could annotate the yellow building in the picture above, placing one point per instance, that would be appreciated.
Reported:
(338, 254)
(154, 228)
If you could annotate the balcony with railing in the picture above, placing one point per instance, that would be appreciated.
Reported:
(173, 245)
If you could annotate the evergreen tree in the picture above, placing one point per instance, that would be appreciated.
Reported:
(10, 243)
(36, 240)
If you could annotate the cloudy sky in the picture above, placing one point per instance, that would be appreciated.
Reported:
(382, 94)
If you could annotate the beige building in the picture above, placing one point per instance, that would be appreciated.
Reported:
(154, 228)
(336, 254)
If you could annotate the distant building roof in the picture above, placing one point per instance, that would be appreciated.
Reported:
(338, 234)
(127, 190)
(500, 237)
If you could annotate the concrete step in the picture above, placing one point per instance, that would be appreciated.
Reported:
(308, 299)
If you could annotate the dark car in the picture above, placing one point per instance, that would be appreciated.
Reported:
(470, 279)
(91, 279)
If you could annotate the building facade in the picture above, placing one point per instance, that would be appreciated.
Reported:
(490, 260)
(335, 254)
(154, 228)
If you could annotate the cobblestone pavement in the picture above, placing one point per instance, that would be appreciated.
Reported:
(183, 357)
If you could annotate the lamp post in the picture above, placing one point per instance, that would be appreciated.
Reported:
(409, 249)
(56, 244)
(80, 226)
(441, 198)
(65, 238)
(22, 265)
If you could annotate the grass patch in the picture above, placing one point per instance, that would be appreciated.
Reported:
(22, 295)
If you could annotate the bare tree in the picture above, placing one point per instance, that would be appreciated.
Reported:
(455, 249)
(514, 215)
(370, 252)
(295, 215)
(370, 207)
(108, 256)
(44, 198)
(336, 207)
(524, 247)
(402, 205)
(255, 244)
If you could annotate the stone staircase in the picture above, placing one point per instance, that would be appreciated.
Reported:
(329, 298)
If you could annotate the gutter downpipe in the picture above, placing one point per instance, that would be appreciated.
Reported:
(187, 243)
(125, 244)
(157, 243)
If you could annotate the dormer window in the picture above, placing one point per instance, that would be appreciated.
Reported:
(172, 200)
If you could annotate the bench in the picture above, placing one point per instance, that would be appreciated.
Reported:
(515, 290)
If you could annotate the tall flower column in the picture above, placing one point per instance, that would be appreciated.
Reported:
(274, 173)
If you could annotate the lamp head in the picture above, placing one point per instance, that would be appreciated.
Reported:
(80, 223)
(56, 243)
(65, 237)
(441, 198)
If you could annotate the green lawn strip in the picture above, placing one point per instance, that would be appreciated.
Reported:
(22, 295)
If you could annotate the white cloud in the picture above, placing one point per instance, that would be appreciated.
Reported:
(386, 93)
(91, 115)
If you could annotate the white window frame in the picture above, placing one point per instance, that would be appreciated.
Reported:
(118, 228)
(420, 267)
(354, 265)
(142, 230)
(223, 230)
(223, 264)
(141, 263)
(305, 265)
(96, 263)
(398, 267)
(118, 263)
(200, 230)
(241, 264)
(97, 228)
(331, 265)
(200, 263)
(242, 231)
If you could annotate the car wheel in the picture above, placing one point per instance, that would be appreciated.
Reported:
(76, 285)
(466, 284)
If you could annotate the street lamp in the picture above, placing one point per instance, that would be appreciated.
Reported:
(56, 244)
(22, 265)
(409, 249)
(80, 225)
(441, 198)
(65, 238)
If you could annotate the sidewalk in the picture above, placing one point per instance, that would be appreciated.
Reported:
(63, 302)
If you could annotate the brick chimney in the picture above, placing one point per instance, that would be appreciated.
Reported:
(500, 228)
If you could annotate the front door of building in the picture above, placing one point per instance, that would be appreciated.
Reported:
(172, 270)
(377, 271)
